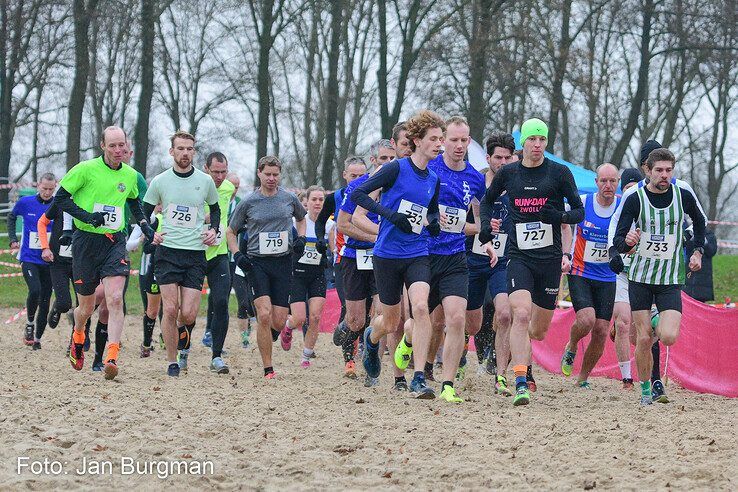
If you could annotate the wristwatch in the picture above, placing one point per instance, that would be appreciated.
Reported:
(568, 255)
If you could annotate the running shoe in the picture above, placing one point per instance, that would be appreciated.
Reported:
(28, 334)
(349, 371)
(305, 364)
(218, 365)
(36, 345)
(529, 379)
(173, 370)
(372, 362)
(658, 393)
(207, 339)
(245, 339)
(370, 382)
(501, 387)
(646, 400)
(111, 369)
(481, 368)
(449, 394)
(401, 385)
(522, 395)
(627, 384)
(270, 375)
(98, 366)
(77, 356)
(340, 333)
(182, 357)
(403, 354)
(285, 339)
(275, 335)
(420, 390)
(146, 351)
(584, 385)
(567, 362)
(53, 319)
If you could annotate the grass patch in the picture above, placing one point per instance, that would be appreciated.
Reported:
(725, 277)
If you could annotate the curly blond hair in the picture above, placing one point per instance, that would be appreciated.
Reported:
(419, 124)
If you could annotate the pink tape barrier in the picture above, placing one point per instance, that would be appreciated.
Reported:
(704, 358)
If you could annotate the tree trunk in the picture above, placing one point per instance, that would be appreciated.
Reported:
(561, 59)
(141, 136)
(482, 16)
(266, 41)
(82, 17)
(642, 85)
(382, 72)
(331, 113)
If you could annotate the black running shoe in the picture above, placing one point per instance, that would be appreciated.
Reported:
(53, 319)
(340, 334)
(658, 393)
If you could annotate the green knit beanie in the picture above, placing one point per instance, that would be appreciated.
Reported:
(532, 128)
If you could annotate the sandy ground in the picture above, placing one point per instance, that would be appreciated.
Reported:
(313, 429)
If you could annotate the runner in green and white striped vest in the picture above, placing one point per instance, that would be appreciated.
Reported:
(658, 259)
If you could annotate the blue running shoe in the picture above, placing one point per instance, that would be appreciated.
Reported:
(207, 339)
(372, 363)
(420, 390)
(173, 370)
(182, 358)
(98, 366)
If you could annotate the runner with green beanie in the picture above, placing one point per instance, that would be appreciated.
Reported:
(533, 128)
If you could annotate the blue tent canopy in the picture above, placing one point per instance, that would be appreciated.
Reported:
(584, 178)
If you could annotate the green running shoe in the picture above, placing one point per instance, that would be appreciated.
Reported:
(522, 395)
(584, 385)
(567, 362)
(403, 354)
(449, 394)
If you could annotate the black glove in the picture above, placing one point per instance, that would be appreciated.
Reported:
(242, 261)
(321, 247)
(434, 228)
(550, 215)
(66, 238)
(298, 246)
(147, 231)
(402, 222)
(616, 261)
(96, 219)
(149, 248)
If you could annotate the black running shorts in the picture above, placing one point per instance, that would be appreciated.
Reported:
(643, 296)
(180, 266)
(449, 277)
(392, 274)
(358, 285)
(271, 276)
(540, 278)
(96, 256)
(589, 293)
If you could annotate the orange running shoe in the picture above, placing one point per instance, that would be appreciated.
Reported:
(350, 370)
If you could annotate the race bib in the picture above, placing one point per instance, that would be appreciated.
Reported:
(65, 251)
(310, 256)
(273, 243)
(499, 242)
(415, 213)
(33, 240)
(533, 235)
(455, 218)
(657, 246)
(182, 215)
(113, 215)
(364, 259)
(595, 252)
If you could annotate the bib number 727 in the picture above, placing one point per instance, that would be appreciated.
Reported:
(533, 235)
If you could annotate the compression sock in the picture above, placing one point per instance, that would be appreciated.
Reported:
(520, 375)
(148, 330)
(101, 339)
(625, 370)
(307, 354)
(78, 337)
(268, 370)
(645, 388)
(656, 353)
(185, 333)
(428, 367)
(113, 349)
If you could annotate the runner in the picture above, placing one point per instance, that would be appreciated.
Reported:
(657, 387)
(267, 216)
(353, 168)
(34, 263)
(459, 184)
(409, 209)
(180, 264)
(308, 281)
(358, 276)
(147, 281)
(218, 268)
(624, 332)
(400, 142)
(657, 270)
(536, 187)
(94, 192)
(482, 277)
(591, 282)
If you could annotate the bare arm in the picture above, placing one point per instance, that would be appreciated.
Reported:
(347, 228)
(362, 221)
(470, 228)
(566, 238)
(301, 226)
(232, 240)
